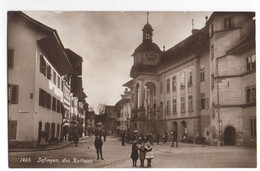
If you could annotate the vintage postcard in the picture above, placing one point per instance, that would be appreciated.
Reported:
(131, 89)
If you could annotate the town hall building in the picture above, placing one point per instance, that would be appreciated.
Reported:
(204, 86)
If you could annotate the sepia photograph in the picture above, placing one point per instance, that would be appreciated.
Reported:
(131, 89)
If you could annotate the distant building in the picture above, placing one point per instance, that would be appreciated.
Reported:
(110, 119)
(90, 122)
(123, 112)
(39, 72)
(204, 86)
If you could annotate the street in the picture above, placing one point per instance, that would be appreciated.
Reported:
(118, 156)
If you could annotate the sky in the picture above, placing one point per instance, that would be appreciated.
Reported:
(106, 41)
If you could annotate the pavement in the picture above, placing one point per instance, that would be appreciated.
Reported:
(56, 146)
(66, 155)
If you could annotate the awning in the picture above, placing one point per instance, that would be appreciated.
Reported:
(56, 55)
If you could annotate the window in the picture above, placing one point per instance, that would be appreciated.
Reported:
(203, 101)
(48, 103)
(161, 87)
(250, 95)
(190, 104)
(58, 81)
(12, 129)
(10, 57)
(168, 85)
(250, 63)
(168, 107)
(202, 73)
(227, 23)
(212, 52)
(54, 77)
(190, 78)
(182, 104)
(53, 104)
(174, 83)
(212, 81)
(182, 80)
(49, 72)
(42, 65)
(58, 106)
(253, 127)
(62, 85)
(13, 93)
(174, 106)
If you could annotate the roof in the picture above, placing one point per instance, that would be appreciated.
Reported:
(51, 45)
(183, 49)
(141, 68)
(129, 83)
(214, 14)
(146, 46)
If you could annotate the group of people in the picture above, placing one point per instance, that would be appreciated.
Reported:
(143, 152)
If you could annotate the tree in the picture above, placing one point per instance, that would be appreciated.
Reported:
(101, 108)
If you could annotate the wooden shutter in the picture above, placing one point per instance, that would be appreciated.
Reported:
(10, 58)
(12, 129)
(44, 97)
(14, 99)
(40, 97)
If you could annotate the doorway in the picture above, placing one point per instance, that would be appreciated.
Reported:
(230, 136)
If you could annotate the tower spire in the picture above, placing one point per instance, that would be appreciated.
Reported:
(147, 17)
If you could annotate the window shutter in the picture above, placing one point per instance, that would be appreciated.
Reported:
(10, 58)
(44, 95)
(198, 104)
(15, 90)
(40, 97)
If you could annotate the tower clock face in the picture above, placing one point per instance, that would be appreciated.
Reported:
(151, 56)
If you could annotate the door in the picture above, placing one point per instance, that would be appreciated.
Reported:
(230, 136)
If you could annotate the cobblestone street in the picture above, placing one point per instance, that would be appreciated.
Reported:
(118, 156)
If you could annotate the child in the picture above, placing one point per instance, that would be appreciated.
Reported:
(142, 154)
(134, 154)
(149, 154)
(98, 145)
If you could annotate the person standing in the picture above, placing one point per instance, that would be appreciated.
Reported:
(98, 146)
(134, 153)
(76, 137)
(149, 154)
(175, 138)
(123, 138)
(142, 154)
(43, 141)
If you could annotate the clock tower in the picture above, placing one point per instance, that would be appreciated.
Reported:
(147, 54)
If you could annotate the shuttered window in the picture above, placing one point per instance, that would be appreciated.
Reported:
(12, 130)
(54, 103)
(42, 65)
(10, 57)
(13, 93)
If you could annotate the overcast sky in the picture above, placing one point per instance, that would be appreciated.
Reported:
(106, 41)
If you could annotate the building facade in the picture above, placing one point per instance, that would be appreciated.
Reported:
(37, 67)
(204, 86)
(123, 107)
(110, 120)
